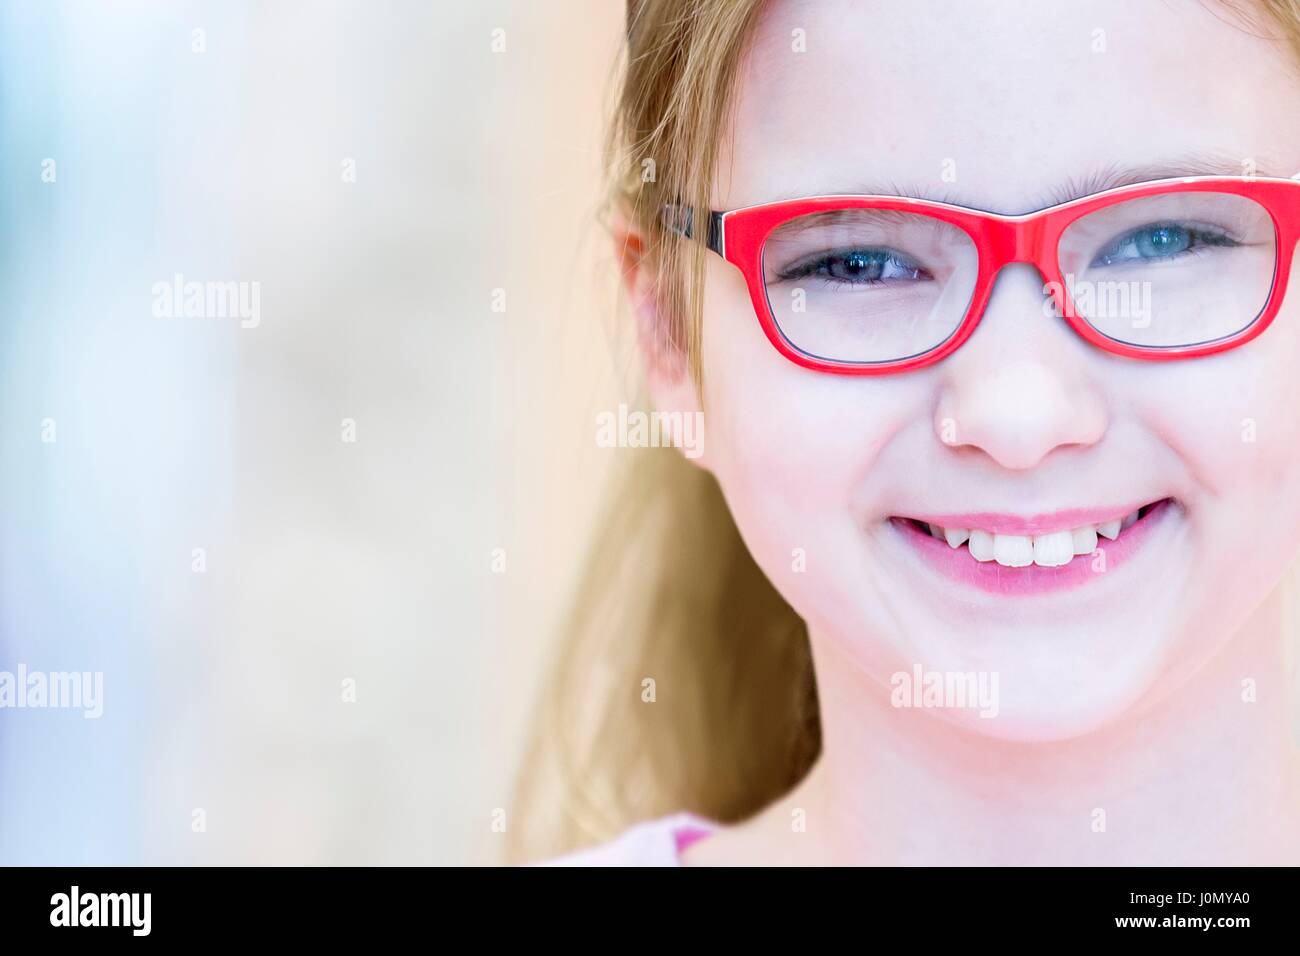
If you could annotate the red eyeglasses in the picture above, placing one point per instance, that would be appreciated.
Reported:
(869, 285)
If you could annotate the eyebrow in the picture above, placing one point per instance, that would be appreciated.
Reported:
(1111, 176)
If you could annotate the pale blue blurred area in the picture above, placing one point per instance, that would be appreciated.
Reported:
(97, 527)
(329, 563)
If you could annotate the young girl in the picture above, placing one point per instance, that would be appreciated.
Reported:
(985, 556)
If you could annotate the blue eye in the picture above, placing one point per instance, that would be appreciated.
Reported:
(857, 267)
(1157, 241)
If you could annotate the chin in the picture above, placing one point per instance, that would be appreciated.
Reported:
(1041, 721)
(1034, 683)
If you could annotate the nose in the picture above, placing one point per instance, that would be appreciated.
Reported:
(1020, 387)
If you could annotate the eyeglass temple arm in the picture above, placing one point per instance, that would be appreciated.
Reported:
(681, 220)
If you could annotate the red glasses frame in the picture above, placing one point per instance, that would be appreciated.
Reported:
(739, 235)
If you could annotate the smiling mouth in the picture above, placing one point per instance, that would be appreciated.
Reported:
(1007, 543)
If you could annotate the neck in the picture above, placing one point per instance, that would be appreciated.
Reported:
(1203, 777)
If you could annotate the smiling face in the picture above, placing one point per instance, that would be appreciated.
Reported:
(1027, 442)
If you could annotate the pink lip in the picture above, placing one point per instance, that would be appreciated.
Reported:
(1038, 524)
(990, 576)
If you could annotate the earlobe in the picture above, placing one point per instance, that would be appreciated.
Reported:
(676, 402)
(671, 387)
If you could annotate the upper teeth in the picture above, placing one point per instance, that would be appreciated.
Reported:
(1047, 550)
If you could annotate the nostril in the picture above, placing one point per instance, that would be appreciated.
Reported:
(1017, 412)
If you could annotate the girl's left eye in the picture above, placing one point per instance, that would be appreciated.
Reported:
(1160, 241)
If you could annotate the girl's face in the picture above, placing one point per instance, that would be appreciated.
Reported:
(1007, 107)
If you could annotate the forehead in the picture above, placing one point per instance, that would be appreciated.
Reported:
(1002, 105)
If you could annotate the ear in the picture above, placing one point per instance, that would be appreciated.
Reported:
(663, 361)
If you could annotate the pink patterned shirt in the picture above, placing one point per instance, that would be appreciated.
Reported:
(658, 842)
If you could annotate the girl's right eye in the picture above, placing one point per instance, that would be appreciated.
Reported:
(857, 267)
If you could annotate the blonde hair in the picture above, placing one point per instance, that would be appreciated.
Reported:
(671, 603)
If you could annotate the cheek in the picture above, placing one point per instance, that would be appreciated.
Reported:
(790, 448)
(1235, 420)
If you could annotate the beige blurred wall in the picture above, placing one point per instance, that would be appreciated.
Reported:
(371, 560)
(570, 353)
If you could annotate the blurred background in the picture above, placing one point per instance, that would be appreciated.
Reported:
(317, 553)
